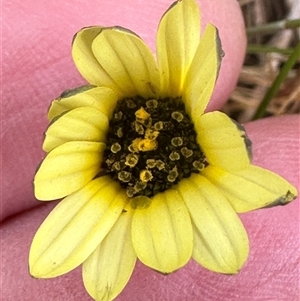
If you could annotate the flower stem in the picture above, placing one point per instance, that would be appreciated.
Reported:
(260, 112)
(273, 27)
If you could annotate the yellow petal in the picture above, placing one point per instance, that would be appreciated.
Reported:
(162, 232)
(80, 124)
(128, 61)
(224, 143)
(85, 60)
(220, 240)
(251, 188)
(75, 228)
(177, 40)
(108, 269)
(201, 77)
(100, 98)
(67, 168)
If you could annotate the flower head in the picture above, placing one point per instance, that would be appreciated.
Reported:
(143, 171)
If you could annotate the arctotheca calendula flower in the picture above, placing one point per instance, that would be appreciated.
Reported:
(143, 171)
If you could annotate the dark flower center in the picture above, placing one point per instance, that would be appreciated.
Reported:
(151, 145)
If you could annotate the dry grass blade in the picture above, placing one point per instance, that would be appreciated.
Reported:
(260, 69)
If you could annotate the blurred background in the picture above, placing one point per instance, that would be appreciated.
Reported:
(269, 83)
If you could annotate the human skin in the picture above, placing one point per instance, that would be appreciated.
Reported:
(37, 67)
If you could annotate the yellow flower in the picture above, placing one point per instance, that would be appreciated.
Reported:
(144, 173)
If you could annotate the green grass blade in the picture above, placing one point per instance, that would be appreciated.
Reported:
(261, 110)
(273, 27)
(257, 48)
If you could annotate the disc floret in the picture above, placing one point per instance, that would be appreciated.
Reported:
(151, 145)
